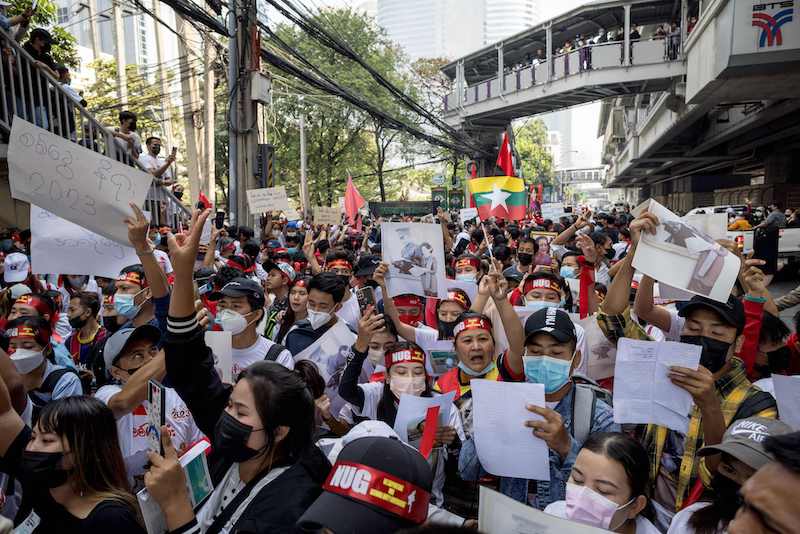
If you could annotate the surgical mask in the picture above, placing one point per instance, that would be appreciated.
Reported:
(551, 372)
(590, 508)
(345, 278)
(568, 272)
(409, 319)
(469, 372)
(231, 321)
(205, 288)
(467, 277)
(125, 306)
(715, 352)
(77, 323)
(292, 251)
(230, 438)
(318, 319)
(43, 469)
(376, 356)
(26, 360)
(537, 305)
(446, 328)
(410, 385)
(524, 258)
(76, 281)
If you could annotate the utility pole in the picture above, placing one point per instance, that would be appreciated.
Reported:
(303, 178)
(233, 124)
(166, 107)
(208, 180)
(94, 36)
(189, 96)
(119, 50)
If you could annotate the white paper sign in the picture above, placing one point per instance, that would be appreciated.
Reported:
(643, 392)
(61, 247)
(221, 346)
(415, 254)
(81, 186)
(787, 393)
(412, 410)
(505, 446)
(685, 257)
(467, 214)
(267, 199)
(326, 215)
(498, 514)
(292, 215)
(205, 237)
(601, 354)
(715, 225)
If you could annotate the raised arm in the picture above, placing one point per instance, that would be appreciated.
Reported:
(498, 286)
(137, 235)
(14, 384)
(404, 330)
(444, 218)
(10, 422)
(567, 234)
(308, 250)
(369, 324)
(134, 392)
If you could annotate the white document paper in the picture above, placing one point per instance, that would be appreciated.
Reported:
(267, 199)
(412, 410)
(505, 446)
(787, 393)
(498, 514)
(220, 343)
(205, 237)
(59, 246)
(466, 214)
(415, 254)
(643, 392)
(714, 225)
(326, 215)
(685, 257)
(76, 184)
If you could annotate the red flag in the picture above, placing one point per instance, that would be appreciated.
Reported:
(353, 201)
(504, 159)
(539, 189)
(202, 199)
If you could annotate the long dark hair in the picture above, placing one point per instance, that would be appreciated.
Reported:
(282, 399)
(629, 453)
(289, 317)
(89, 427)
(387, 411)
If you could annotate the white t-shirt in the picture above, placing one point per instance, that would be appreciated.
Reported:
(643, 526)
(132, 428)
(350, 313)
(680, 522)
(163, 261)
(244, 358)
(676, 323)
(153, 164)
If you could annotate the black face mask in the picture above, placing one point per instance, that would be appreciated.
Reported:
(178, 194)
(77, 323)
(345, 278)
(371, 283)
(726, 496)
(110, 324)
(524, 258)
(446, 329)
(43, 469)
(610, 253)
(715, 352)
(230, 438)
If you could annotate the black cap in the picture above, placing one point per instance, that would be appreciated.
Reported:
(732, 311)
(346, 513)
(551, 321)
(367, 264)
(511, 273)
(204, 273)
(240, 287)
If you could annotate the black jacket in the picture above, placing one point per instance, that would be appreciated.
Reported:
(190, 368)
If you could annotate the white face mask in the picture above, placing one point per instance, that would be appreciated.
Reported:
(26, 360)
(318, 319)
(376, 356)
(467, 277)
(231, 321)
(410, 385)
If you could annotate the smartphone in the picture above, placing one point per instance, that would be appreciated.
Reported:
(174, 151)
(365, 297)
(156, 415)
(219, 220)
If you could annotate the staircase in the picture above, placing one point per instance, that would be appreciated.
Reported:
(40, 99)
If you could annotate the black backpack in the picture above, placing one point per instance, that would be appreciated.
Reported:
(584, 404)
(274, 351)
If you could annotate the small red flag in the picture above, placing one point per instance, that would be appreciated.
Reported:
(504, 159)
(353, 201)
(202, 199)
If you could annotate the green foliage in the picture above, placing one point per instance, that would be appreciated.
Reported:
(537, 162)
(64, 43)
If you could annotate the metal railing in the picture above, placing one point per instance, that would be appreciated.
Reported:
(33, 94)
(587, 58)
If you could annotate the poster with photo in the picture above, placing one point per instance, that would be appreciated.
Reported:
(415, 254)
(685, 257)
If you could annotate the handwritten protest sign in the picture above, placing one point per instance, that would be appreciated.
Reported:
(267, 199)
(74, 183)
(326, 215)
(466, 214)
(61, 247)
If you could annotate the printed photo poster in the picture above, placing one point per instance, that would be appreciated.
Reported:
(685, 257)
(415, 254)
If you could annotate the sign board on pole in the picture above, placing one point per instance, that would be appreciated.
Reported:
(467, 213)
(402, 207)
(292, 215)
(326, 215)
(438, 179)
(72, 182)
(267, 199)
(439, 194)
(456, 199)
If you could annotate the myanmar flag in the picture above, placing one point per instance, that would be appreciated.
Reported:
(503, 197)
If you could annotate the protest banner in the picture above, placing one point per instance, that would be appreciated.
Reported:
(467, 214)
(267, 199)
(61, 247)
(415, 254)
(326, 215)
(292, 215)
(72, 182)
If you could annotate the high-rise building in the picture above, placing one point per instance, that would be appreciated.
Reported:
(507, 17)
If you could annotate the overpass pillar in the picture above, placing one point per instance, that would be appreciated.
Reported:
(549, 41)
(627, 60)
(501, 77)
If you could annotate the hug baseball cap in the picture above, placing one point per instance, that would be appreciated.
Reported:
(744, 440)
(378, 484)
(551, 321)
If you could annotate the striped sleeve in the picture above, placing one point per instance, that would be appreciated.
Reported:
(182, 326)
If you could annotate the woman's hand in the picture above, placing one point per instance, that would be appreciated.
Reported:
(368, 326)
(183, 248)
(445, 435)
(137, 230)
(380, 274)
(166, 483)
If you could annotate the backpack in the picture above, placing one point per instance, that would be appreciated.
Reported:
(47, 387)
(274, 351)
(584, 404)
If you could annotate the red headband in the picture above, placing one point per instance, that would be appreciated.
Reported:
(343, 264)
(541, 283)
(238, 266)
(379, 488)
(36, 303)
(459, 297)
(300, 282)
(410, 355)
(40, 335)
(407, 300)
(134, 278)
(473, 323)
(464, 262)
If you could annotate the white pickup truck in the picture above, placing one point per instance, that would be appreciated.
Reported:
(788, 241)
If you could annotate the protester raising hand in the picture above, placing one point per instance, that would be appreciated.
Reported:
(586, 245)
(183, 252)
(166, 483)
(644, 223)
(137, 230)
(368, 325)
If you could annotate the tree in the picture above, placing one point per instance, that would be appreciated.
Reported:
(531, 144)
(64, 49)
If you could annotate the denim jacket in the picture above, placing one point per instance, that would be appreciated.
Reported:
(547, 492)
